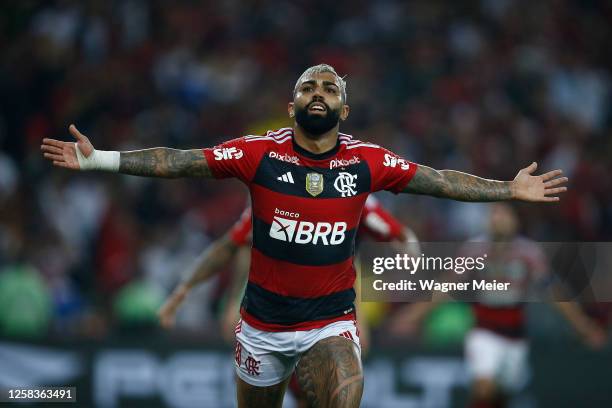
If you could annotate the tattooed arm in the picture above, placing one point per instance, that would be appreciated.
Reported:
(466, 187)
(156, 162)
(164, 162)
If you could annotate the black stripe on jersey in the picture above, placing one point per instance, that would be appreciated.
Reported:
(269, 170)
(289, 250)
(272, 308)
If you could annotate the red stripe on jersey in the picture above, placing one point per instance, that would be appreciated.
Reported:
(507, 321)
(309, 325)
(266, 202)
(240, 233)
(288, 279)
(379, 223)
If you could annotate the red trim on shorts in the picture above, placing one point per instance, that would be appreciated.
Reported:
(302, 326)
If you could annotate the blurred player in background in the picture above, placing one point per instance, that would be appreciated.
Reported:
(308, 185)
(376, 223)
(496, 349)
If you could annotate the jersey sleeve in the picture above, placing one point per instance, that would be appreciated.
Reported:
(379, 224)
(241, 232)
(389, 171)
(234, 158)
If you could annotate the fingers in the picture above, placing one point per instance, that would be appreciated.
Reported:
(76, 134)
(551, 174)
(51, 149)
(556, 182)
(555, 190)
(549, 199)
(53, 142)
(54, 157)
(531, 168)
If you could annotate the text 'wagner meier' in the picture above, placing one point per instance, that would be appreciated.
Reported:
(411, 264)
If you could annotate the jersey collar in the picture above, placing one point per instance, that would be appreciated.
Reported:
(315, 156)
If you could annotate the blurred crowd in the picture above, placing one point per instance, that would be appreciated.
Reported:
(482, 86)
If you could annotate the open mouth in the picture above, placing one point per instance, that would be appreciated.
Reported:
(317, 107)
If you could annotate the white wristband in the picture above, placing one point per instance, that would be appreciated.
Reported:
(99, 160)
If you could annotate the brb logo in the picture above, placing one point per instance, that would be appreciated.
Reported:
(304, 232)
(228, 153)
(345, 184)
(392, 161)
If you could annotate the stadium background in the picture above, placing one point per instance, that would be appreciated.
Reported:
(481, 86)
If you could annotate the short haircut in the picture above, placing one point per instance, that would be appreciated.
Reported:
(318, 69)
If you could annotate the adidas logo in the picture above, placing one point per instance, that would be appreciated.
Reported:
(287, 178)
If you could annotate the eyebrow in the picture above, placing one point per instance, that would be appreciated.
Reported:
(313, 82)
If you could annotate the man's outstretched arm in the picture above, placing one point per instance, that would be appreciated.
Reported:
(155, 162)
(164, 162)
(466, 187)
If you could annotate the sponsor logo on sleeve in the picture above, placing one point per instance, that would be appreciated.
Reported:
(393, 161)
(228, 153)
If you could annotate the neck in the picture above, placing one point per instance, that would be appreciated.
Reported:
(315, 144)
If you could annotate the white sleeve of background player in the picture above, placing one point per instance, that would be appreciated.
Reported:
(98, 160)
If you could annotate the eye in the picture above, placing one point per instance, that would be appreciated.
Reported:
(307, 89)
(332, 90)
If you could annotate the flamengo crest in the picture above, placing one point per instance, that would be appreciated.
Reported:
(345, 184)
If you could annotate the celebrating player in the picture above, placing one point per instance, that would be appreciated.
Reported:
(376, 222)
(308, 186)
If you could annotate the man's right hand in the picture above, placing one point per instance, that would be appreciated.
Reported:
(63, 154)
(167, 312)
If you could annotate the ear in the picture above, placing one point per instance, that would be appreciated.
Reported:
(290, 110)
(345, 112)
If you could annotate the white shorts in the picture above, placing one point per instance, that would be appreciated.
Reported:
(268, 358)
(501, 359)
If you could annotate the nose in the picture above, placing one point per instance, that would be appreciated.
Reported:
(318, 93)
(318, 96)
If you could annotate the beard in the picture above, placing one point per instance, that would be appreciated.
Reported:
(317, 124)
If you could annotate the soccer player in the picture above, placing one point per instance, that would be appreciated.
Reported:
(496, 349)
(376, 222)
(308, 185)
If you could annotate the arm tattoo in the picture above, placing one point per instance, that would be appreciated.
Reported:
(457, 186)
(331, 375)
(164, 162)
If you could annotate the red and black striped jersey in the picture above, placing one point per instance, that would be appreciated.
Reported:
(376, 222)
(520, 262)
(306, 210)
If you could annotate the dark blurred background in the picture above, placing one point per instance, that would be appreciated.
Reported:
(480, 86)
